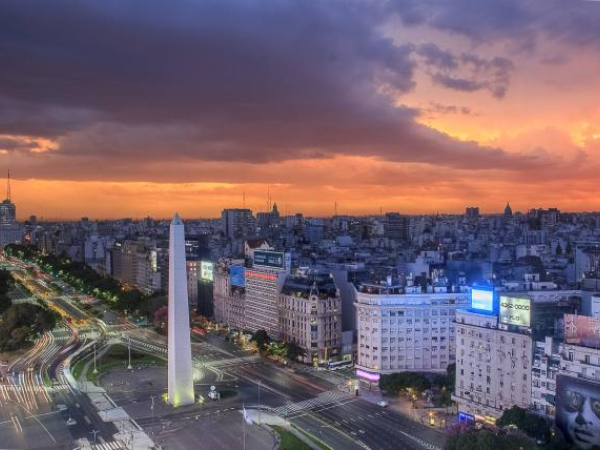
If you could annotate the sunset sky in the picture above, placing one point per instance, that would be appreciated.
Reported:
(126, 109)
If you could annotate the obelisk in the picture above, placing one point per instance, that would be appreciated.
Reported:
(181, 378)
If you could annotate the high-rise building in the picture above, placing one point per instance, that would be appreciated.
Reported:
(263, 285)
(135, 263)
(180, 373)
(472, 212)
(310, 315)
(229, 293)
(237, 223)
(401, 328)
(494, 354)
(396, 226)
(493, 366)
(10, 229)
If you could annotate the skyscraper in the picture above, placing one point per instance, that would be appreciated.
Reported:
(8, 210)
(10, 229)
(181, 377)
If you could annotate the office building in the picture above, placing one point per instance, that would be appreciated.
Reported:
(401, 328)
(310, 315)
(494, 356)
(237, 223)
(264, 281)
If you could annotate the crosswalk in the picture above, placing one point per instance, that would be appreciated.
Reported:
(323, 399)
(35, 388)
(232, 361)
(112, 445)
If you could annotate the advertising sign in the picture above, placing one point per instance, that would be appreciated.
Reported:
(578, 410)
(269, 259)
(482, 299)
(582, 330)
(515, 311)
(206, 270)
(237, 276)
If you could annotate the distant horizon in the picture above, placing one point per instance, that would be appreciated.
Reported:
(186, 218)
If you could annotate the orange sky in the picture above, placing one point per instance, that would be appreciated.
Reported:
(421, 116)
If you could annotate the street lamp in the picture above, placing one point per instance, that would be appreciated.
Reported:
(152, 407)
(95, 368)
(259, 401)
(129, 353)
(94, 432)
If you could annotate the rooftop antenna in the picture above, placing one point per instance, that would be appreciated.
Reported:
(244, 198)
(335, 209)
(8, 185)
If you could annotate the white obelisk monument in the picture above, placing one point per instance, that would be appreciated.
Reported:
(181, 377)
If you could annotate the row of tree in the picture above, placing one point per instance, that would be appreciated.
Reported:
(515, 429)
(6, 282)
(22, 323)
(281, 350)
(85, 279)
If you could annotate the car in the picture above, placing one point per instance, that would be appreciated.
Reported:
(383, 403)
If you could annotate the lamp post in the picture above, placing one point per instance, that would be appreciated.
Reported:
(94, 432)
(95, 367)
(129, 353)
(152, 407)
(259, 401)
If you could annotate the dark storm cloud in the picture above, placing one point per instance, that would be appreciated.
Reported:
(12, 145)
(466, 72)
(523, 22)
(124, 84)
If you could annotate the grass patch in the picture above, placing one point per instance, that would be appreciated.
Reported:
(288, 440)
(78, 368)
(116, 358)
(313, 439)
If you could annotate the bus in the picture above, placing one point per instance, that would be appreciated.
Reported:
(339, 365)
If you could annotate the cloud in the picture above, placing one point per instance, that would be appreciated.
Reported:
(523, 23)
(466, 72)
(115, 85)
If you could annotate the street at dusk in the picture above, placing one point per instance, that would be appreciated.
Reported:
(300, 225)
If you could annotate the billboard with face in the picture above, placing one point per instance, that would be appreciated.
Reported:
(578, 410)
(582, 330)
(515, 311)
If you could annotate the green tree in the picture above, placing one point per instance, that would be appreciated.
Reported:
(533, 425)
(294, 351)
(261, 338)
(21, 322)
(6, 281)
(396, 382)
(487, 440)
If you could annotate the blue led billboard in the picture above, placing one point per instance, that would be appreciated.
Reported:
(237, 275)
(482, 299)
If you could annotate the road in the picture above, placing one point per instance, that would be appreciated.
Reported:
(318, 405)
(38, 403)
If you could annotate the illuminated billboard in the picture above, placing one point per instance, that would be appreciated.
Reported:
(482, 299)
(582, 330)
(269, 259)
(515, 311)
(206, 270)
(237, 276)
(578, 410)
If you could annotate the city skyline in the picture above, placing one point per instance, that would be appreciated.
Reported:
(409, 106)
